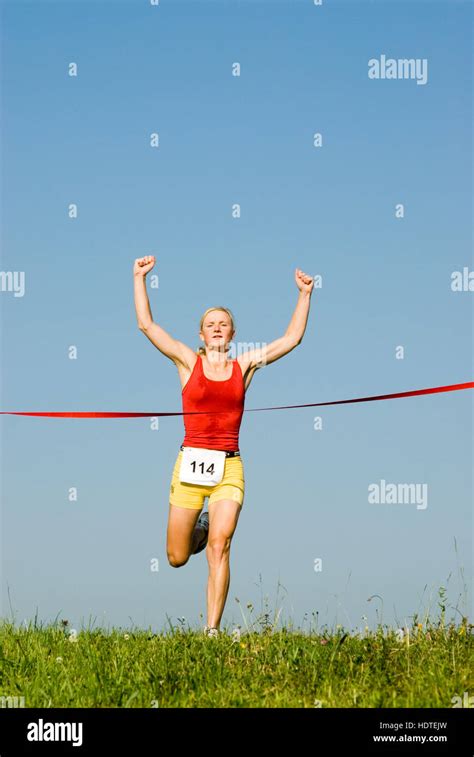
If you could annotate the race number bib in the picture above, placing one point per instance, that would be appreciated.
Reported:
(202, 466)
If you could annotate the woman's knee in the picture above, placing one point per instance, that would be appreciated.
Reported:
(181, 525)
(218, 546)
(176, 560)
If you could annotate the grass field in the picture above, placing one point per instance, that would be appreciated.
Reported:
(428, 664)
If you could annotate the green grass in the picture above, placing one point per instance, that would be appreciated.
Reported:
(426, 664)
(271, 668)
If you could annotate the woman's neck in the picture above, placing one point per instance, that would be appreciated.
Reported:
(217, 358)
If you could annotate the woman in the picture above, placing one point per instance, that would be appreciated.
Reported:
(209, 463)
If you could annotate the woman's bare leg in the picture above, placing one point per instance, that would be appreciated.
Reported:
(181, 536)
(223, 517)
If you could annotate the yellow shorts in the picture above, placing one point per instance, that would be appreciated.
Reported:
(192, 496)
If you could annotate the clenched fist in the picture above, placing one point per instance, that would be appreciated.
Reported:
(143, 265)
(304, 282)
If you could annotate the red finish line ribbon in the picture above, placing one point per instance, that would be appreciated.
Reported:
(413, 393)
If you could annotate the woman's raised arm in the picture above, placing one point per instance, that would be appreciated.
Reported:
(172, 348)
(295, 331)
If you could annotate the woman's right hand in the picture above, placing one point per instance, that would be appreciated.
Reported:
(143, 265)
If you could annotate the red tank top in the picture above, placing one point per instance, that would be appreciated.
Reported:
(216, 430)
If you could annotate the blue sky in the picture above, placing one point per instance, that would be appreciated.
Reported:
(328, 210)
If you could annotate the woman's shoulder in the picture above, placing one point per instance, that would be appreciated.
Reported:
(185, 370)
(244, 361)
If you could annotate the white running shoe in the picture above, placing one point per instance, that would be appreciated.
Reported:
(211, 632)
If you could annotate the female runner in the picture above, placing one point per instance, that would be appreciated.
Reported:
(209, 463)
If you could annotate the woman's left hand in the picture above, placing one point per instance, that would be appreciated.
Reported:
(304, 282)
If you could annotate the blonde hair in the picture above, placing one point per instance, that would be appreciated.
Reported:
(202, 350)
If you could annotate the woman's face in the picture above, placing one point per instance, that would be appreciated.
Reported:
(216, 329)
